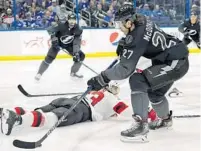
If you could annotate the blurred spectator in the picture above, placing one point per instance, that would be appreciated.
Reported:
(195, 7)
(29, 21)
(197, 2)
(19, 23)
(8, 18)
(146, 10)
(62, 13)
(48, 18)
(83, 4)
(104, 6)
(108, 17)
(97, 13)
(2, 25)
(48, 3)
(55, 6)
(82, 22)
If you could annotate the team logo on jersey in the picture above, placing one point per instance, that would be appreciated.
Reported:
(191, 32)
(114, 38)
(129, 39)
(67, 39)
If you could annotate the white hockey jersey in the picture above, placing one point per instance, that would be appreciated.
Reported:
(104, 105)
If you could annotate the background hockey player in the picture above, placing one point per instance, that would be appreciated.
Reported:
(67, 36)
(98, 105)
(191, 29)
(169, 58)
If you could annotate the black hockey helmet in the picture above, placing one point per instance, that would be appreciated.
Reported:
(71, 20)
(125, 12)
(72, 16)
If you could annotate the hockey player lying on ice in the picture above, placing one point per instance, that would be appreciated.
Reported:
(96, 106)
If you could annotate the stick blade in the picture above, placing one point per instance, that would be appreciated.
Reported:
(25, 145)
(22, 90)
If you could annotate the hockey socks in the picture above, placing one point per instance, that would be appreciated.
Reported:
(36, 118)
(19, 111)
(39, 119)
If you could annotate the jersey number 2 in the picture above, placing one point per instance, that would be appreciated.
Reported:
(159, 38)
(97, 97)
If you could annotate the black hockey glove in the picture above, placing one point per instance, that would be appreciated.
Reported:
(55, 41)
(76, 57)
(98, 82)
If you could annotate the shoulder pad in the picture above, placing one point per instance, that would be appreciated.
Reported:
(53, 29)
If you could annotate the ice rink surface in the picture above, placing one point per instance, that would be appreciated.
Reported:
(104, 135)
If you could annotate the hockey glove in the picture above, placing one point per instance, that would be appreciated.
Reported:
(114, 89)
(76, 57)
(98, 82)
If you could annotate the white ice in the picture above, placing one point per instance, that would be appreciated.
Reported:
(104, 135)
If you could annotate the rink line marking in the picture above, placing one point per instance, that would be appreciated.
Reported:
(62, 56)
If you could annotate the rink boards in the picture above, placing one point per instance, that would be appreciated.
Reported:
(33, 45)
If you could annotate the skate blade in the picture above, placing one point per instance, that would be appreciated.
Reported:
(137, 139)
(74, 78)
(175, 94)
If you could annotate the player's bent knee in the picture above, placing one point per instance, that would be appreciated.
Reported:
(138, 82)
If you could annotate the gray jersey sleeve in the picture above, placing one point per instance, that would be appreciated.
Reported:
(131, 54)
(77, 39)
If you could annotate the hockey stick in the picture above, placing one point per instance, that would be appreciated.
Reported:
(32, 145)
(23, 91)
(186, 116)
(113, 63)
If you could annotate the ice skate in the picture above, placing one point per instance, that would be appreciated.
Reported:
(161, 123)
(137, 132)
(76, 75)
(175, 93)
(38, 77)
(9, 119)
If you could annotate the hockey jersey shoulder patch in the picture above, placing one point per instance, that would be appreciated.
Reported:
(129, 39)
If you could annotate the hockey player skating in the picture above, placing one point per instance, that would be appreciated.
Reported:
(66, 36)
(96, 106)
(191, 29)
(169, 58)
